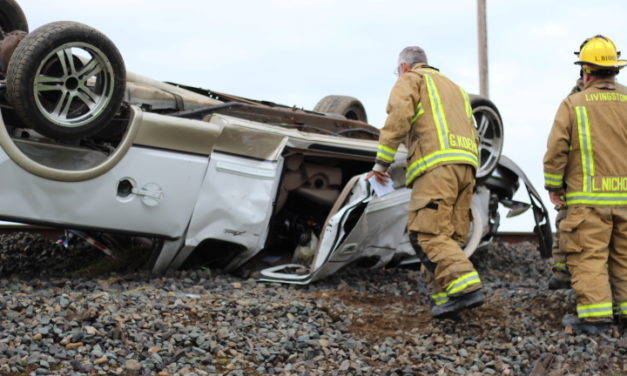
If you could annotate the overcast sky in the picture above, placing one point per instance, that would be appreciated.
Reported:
(295, 52)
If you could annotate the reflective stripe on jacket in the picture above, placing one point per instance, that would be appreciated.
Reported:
(433, 117)
(586, 147)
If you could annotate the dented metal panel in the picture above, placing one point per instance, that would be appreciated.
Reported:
(235, 203)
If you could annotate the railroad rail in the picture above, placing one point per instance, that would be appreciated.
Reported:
(53, 233)
(515, 237)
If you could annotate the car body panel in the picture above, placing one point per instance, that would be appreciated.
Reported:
(173, 177)
(94, 203)
(177, 135)
(236, 202)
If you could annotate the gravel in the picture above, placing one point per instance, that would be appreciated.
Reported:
(57, 321)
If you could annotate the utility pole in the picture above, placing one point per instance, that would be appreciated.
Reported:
(483, 48)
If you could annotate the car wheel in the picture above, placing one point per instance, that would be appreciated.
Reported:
(349, 107)
(490, 130)
(11, 17)
(66, 80)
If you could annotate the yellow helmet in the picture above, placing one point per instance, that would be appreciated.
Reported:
(599, 52)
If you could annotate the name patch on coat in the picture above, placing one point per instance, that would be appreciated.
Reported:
(610, 184)
(604, 97)
(462, 142)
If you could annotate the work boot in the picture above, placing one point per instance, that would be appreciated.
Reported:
(559, 280)
(585, 327)
(458, 303)
(558, 284)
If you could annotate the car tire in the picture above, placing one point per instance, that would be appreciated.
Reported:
(11, 17)
(490, 129)
(66, 80)
(349, 107)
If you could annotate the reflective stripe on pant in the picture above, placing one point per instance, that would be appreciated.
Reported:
(595, 241)
(465, 283)
(439, 215)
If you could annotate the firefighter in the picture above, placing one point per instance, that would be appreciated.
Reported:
(585, 169)
(433, 117)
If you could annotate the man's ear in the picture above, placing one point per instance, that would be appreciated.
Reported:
(586, 78)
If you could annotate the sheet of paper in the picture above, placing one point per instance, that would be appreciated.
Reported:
(381, 189)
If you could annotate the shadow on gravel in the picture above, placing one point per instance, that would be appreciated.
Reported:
(28, 255)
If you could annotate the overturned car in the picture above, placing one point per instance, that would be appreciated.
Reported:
(205, 176)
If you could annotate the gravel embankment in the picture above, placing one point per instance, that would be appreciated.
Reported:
(358, 322)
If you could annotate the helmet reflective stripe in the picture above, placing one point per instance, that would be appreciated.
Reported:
(552, 180)
(438, 112)
(386, 153)
(594, 310)
(448, 155)
(462, 282)
(585, 143)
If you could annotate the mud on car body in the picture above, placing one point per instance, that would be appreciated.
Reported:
(206, 176)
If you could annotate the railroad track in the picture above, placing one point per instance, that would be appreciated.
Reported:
(516, 237)
(53, 233)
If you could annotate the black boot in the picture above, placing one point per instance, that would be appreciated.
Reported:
(559, 280)
(456, 304)
(585, 327)
(558, 284)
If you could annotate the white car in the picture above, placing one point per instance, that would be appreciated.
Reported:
(87, 146)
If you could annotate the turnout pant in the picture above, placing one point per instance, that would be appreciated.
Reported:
(438, 221)
(560, 271)
(595, 241)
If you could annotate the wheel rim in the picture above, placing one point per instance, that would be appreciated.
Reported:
(73, 84)
(490, 131)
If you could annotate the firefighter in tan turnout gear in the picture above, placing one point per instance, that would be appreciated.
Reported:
(586, 169)
(433, 117)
